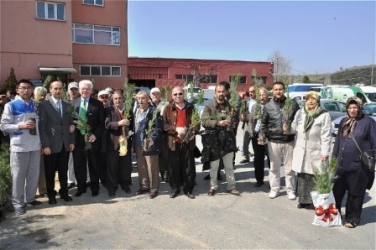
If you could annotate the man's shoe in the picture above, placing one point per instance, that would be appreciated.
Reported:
(244, 161)
(79, 193)
(35, 203)
(43, 195)
(127, 190)
(20, 211)
(207, 177)
(111, 193)
(71, 185)
(52, 201)
(291, 196)
(94, 193)
(301, 205)
(190, 195)
(142, 191)
(66, 197)
(273, 194)
(174, 193)
(153, 195)
(211, 192)
(234, 191)
(258, 184)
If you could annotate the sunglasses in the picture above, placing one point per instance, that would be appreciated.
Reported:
(178, 94)
(104, 97)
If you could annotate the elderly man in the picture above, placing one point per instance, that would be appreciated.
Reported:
(92, 111)
(177, 118)
(19, 121)
(147, 155)
(220, 141)
(249, 103)
(257, 137)
(57, 137)
(155, 100)
(73, 94)
(274, 122)
(104, 97)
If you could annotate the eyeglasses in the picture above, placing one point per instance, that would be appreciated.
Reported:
(178, 94)
(25, 88)
(104, 97)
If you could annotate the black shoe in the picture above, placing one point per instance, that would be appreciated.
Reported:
(111, 193)
(79, 193)
(94, 193)
(66, 197)
(153, 195)
(35, 203)
(206, 178)
(127, 190)
(219, 177)
(142, 191)
(190, 195)
(244, 161)
(258, 184)
(52, 200)
(174, 193)
(71, 185)
(301, 205)
(43, 195)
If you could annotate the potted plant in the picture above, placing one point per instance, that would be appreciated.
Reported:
(326, 213)
(5, 180)
(151, 124)
(128, 106)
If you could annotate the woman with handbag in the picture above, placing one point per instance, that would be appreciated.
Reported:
(353, 131)
(313, 144)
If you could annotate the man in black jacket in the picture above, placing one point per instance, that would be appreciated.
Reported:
(276, 121)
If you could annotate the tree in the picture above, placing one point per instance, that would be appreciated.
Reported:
(11, 81)
(306, 79)
(282, 66)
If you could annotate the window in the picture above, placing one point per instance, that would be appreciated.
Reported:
(259, 79)
(95, 34)
(242, 79)
(94, 2)
(98, 70)
(187, 78)
(208, 79)
(50, 11)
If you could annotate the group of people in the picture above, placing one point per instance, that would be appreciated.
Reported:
(83, 135)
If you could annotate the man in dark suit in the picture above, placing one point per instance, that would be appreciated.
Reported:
(56, 129)
(93, 111)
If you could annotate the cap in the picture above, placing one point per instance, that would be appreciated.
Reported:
(109, 90)
(73, 85)
(155, 90)
(103, 92)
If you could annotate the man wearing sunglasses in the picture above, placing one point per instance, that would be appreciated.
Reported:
(177, 118)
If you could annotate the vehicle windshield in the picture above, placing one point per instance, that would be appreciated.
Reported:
(300, 88)
(369, 108)
(371, 96)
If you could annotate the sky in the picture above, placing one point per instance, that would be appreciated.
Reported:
(318, 37)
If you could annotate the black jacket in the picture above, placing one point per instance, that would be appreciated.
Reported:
(273, 118)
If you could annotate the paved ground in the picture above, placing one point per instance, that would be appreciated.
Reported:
(248, 221)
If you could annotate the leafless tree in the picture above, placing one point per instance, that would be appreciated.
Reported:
(282, 65)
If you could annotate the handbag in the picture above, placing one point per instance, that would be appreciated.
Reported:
(366, 158)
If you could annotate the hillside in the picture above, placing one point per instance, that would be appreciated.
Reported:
(350, 76)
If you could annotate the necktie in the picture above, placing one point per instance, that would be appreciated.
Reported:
(58, 105)
(83, 113)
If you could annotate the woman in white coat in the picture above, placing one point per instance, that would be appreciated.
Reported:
(312, 126)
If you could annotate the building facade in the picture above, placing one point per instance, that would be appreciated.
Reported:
(67, 39)
(150, 72)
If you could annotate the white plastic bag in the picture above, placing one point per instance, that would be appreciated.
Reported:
(326, 212)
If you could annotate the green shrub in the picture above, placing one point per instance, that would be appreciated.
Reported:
(5, 175)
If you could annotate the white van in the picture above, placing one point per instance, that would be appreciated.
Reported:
(370, 92)
(301, 89)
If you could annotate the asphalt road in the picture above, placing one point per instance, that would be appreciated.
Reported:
(249, 221)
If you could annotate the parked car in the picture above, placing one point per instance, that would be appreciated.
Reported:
(334, 107)
(368, 109)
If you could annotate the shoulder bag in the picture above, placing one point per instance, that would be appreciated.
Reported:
(366, 158)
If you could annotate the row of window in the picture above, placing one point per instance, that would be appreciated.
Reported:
(81, 33)
(213, 78)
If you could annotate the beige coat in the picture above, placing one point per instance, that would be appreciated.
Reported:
(311, 145)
